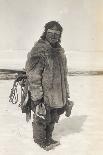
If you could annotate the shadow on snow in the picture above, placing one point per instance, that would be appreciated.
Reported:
(68, 126)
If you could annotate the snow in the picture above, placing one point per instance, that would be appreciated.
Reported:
(13, 59)
(77, 60)
(80, 134)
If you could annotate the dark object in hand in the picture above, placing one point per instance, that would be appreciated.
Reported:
(68, 108)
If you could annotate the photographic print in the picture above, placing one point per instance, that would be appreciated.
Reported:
(51, 77)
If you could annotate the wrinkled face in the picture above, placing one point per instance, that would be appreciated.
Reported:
(53, 35)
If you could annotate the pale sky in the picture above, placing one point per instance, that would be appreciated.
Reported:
(22, 22)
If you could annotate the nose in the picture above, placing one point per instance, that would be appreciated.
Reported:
(54, 35)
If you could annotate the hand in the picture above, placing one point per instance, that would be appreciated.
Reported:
(68, 108)
(34, 104)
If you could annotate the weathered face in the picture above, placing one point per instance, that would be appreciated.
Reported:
(53, 35)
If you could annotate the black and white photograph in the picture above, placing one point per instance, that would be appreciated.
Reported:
(51, 77)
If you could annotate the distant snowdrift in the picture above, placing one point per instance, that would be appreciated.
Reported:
(13, 59)
(89, 61)
(76, 60)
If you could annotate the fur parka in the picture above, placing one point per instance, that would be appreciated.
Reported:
(46, 70)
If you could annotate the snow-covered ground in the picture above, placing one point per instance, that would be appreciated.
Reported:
(81, 134)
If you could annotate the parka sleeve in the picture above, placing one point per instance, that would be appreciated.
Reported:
(67, 84)
(34, 69)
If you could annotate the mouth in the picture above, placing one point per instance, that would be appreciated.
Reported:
(54, 40)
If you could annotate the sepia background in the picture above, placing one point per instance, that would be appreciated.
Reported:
(21, 24)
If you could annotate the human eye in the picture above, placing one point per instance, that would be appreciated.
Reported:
(57, 35)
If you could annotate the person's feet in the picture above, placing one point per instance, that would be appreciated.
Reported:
(52, 141)
(48, 144)
(51, 144)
